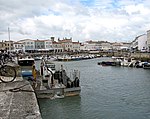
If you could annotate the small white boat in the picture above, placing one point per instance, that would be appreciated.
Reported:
(38, 58)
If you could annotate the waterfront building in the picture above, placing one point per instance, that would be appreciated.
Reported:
(92, 45)
(29, 45)
(48, 44)
(96, 46)
(76, 46)
(88, 46)
(69, 46)
(134, 45)
(117, 46)
(106, 46)
(139, 43)
(7, 45)
(57, 47)
(125, 46)
(39, 45)
(83, 47)
(66, 44)
(142, 43)
(19, 47)
(148, 40)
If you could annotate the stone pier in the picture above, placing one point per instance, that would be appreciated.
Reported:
(18, 100)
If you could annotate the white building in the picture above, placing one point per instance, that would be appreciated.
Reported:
(117, 46)
(92, 46)
(125, 46)
(105, 46)
(19, 47)
(140, 43)
(76, 46)
(48, 44)
(29, 45)
(96, 46)
(148, 40)
(121, 46)
(82, 47)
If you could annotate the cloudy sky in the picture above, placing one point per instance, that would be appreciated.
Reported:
(108, 20)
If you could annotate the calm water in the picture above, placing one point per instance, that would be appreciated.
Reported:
(107, 93)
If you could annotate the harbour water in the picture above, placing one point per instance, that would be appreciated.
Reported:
(106, 93)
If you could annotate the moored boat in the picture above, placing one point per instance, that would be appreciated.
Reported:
(26, 64)
(109, 63)
(38, 58)
(56, 83)
(146, 65)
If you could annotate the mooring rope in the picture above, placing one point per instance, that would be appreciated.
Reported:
(18, 89)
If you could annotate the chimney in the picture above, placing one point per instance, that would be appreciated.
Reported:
(52, 38)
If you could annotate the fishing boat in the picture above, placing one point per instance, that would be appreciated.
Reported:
(56, 83)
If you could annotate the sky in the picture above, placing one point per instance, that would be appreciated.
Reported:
(97, 20)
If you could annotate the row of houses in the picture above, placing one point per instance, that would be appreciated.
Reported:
(50, 45)
(104, 46)
(140, 43)
(66, 44)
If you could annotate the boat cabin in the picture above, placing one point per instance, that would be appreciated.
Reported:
(26, 61)
(26, 65)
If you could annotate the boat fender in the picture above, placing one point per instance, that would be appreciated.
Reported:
(76, 82)
(42, 70)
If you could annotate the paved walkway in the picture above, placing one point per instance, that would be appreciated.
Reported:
(20, 103)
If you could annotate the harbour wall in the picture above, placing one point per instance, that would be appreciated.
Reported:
(18, 100)
(140, 55)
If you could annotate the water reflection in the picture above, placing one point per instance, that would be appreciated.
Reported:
(61, 108)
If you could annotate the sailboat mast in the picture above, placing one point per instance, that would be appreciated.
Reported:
(9, 38)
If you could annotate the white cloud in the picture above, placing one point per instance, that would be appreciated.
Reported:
(137, 9)
(98, 20)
